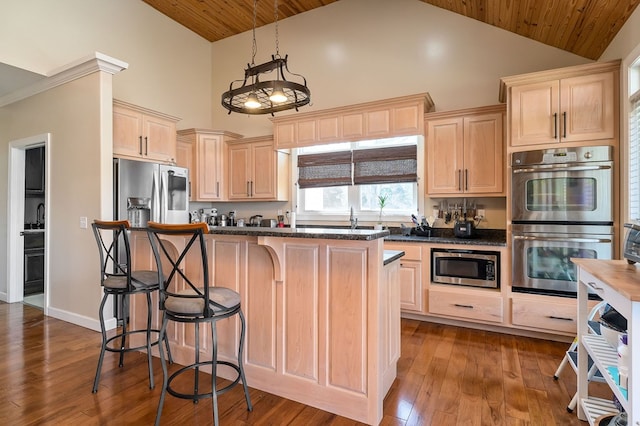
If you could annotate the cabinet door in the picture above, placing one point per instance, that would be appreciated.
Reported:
(444, 156)
(210, 184)
(184, 158)
(263, 179)
(378, 123)
(534, 113)
(587, 107)
(410, 279)
(483, 160)
(127, 132)
(159, 139)
(239, 169)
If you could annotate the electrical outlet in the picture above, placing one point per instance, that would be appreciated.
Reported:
(83, 222)
(279, 212)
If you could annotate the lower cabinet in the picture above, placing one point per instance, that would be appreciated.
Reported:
(410, 275)
(544, 313)
(323, 317)
(466, 303)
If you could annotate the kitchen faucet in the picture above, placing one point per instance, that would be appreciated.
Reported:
(38, 214)
(353, 220)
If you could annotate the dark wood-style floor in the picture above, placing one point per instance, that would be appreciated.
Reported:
(447, 376)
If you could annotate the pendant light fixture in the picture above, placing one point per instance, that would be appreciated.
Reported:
(258, 94)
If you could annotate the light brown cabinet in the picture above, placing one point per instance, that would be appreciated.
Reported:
(464, 152)
(465, 303)
(204, 152)
(550, 314)
(142, 134)
(567, 105)
(373, 120)
(410, 274)
(257, 171)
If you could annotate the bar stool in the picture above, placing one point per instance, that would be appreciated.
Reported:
(190, 299)
(119, 280)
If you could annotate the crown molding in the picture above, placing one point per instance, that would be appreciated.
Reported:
(73, 71)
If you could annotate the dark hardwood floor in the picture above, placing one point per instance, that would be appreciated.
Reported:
(446, 376)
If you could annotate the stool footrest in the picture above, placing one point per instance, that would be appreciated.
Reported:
(198, 396)
(127, 334)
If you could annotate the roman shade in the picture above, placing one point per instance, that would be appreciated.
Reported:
(385, 165)
(325, 169)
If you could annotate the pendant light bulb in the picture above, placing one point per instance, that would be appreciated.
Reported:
(277, 96)
(252, 101)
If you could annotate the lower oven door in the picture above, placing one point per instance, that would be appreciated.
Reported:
(541, 255)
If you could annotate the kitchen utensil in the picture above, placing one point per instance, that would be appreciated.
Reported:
(255, 220)
(463, 229)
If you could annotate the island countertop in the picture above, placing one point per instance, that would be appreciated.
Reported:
(325, 233)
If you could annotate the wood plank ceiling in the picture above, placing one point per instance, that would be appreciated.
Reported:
(582, 27)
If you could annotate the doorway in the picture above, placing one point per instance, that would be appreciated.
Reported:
(28, 221)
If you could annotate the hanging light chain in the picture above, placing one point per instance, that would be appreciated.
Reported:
(275, 9)
(254, 48)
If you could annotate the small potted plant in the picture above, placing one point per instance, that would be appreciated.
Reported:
(382, 202)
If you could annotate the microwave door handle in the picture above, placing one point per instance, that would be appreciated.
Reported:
(557, 168)
(571, 240)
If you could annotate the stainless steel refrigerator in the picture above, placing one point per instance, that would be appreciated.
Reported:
(151, 191)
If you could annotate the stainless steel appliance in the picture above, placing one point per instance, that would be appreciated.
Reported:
(542, 253)
(474, 268)
(166, 188)
(562, 207)
(631, 250)
(563, 185)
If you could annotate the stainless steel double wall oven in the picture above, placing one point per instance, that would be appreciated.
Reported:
(562, 207)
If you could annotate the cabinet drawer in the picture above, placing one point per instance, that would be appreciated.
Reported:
(411, 251)
(544, 316)
(472, 306)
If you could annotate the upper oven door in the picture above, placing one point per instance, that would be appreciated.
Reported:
(562, 193)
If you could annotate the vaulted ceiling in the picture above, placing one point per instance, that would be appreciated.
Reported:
(583, 27)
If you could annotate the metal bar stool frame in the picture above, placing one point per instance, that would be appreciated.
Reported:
(210, 311)
(119, 280)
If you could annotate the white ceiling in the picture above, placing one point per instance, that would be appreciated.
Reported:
(13, 78)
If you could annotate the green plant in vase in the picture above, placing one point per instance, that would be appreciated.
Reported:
(382, 202)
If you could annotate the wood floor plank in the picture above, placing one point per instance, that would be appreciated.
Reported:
(446, 376)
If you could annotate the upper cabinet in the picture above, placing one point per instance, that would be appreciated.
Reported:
(574, 105)
(373, 120)
(464, 151)
(204, 153)
(143, 134)
(257, 171)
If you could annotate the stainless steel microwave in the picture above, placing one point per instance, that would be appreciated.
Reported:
(474, 268)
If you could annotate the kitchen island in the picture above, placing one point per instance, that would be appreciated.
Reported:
(322, 309)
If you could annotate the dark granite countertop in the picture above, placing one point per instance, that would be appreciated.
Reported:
(483, 237)
(391, 256)
(324, 233)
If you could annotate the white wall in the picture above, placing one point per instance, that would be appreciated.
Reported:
(75, 114)
(169, 65)
(354, 51)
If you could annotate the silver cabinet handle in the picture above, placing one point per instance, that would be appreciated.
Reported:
(466, 179)
(146, 145)
(594, 286)
(564, 125)
(248, 189)
(140, 144)
(459, 179)
(555, 125)
(217, 189)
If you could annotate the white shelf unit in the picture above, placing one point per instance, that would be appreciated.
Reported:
(617, 283)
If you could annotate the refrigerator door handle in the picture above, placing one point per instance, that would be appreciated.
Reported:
(155, 199)
(163, 196)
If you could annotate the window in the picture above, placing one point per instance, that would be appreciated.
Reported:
(380, 167)
(634, 141)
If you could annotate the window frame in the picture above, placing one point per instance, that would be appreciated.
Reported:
(365, 217)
